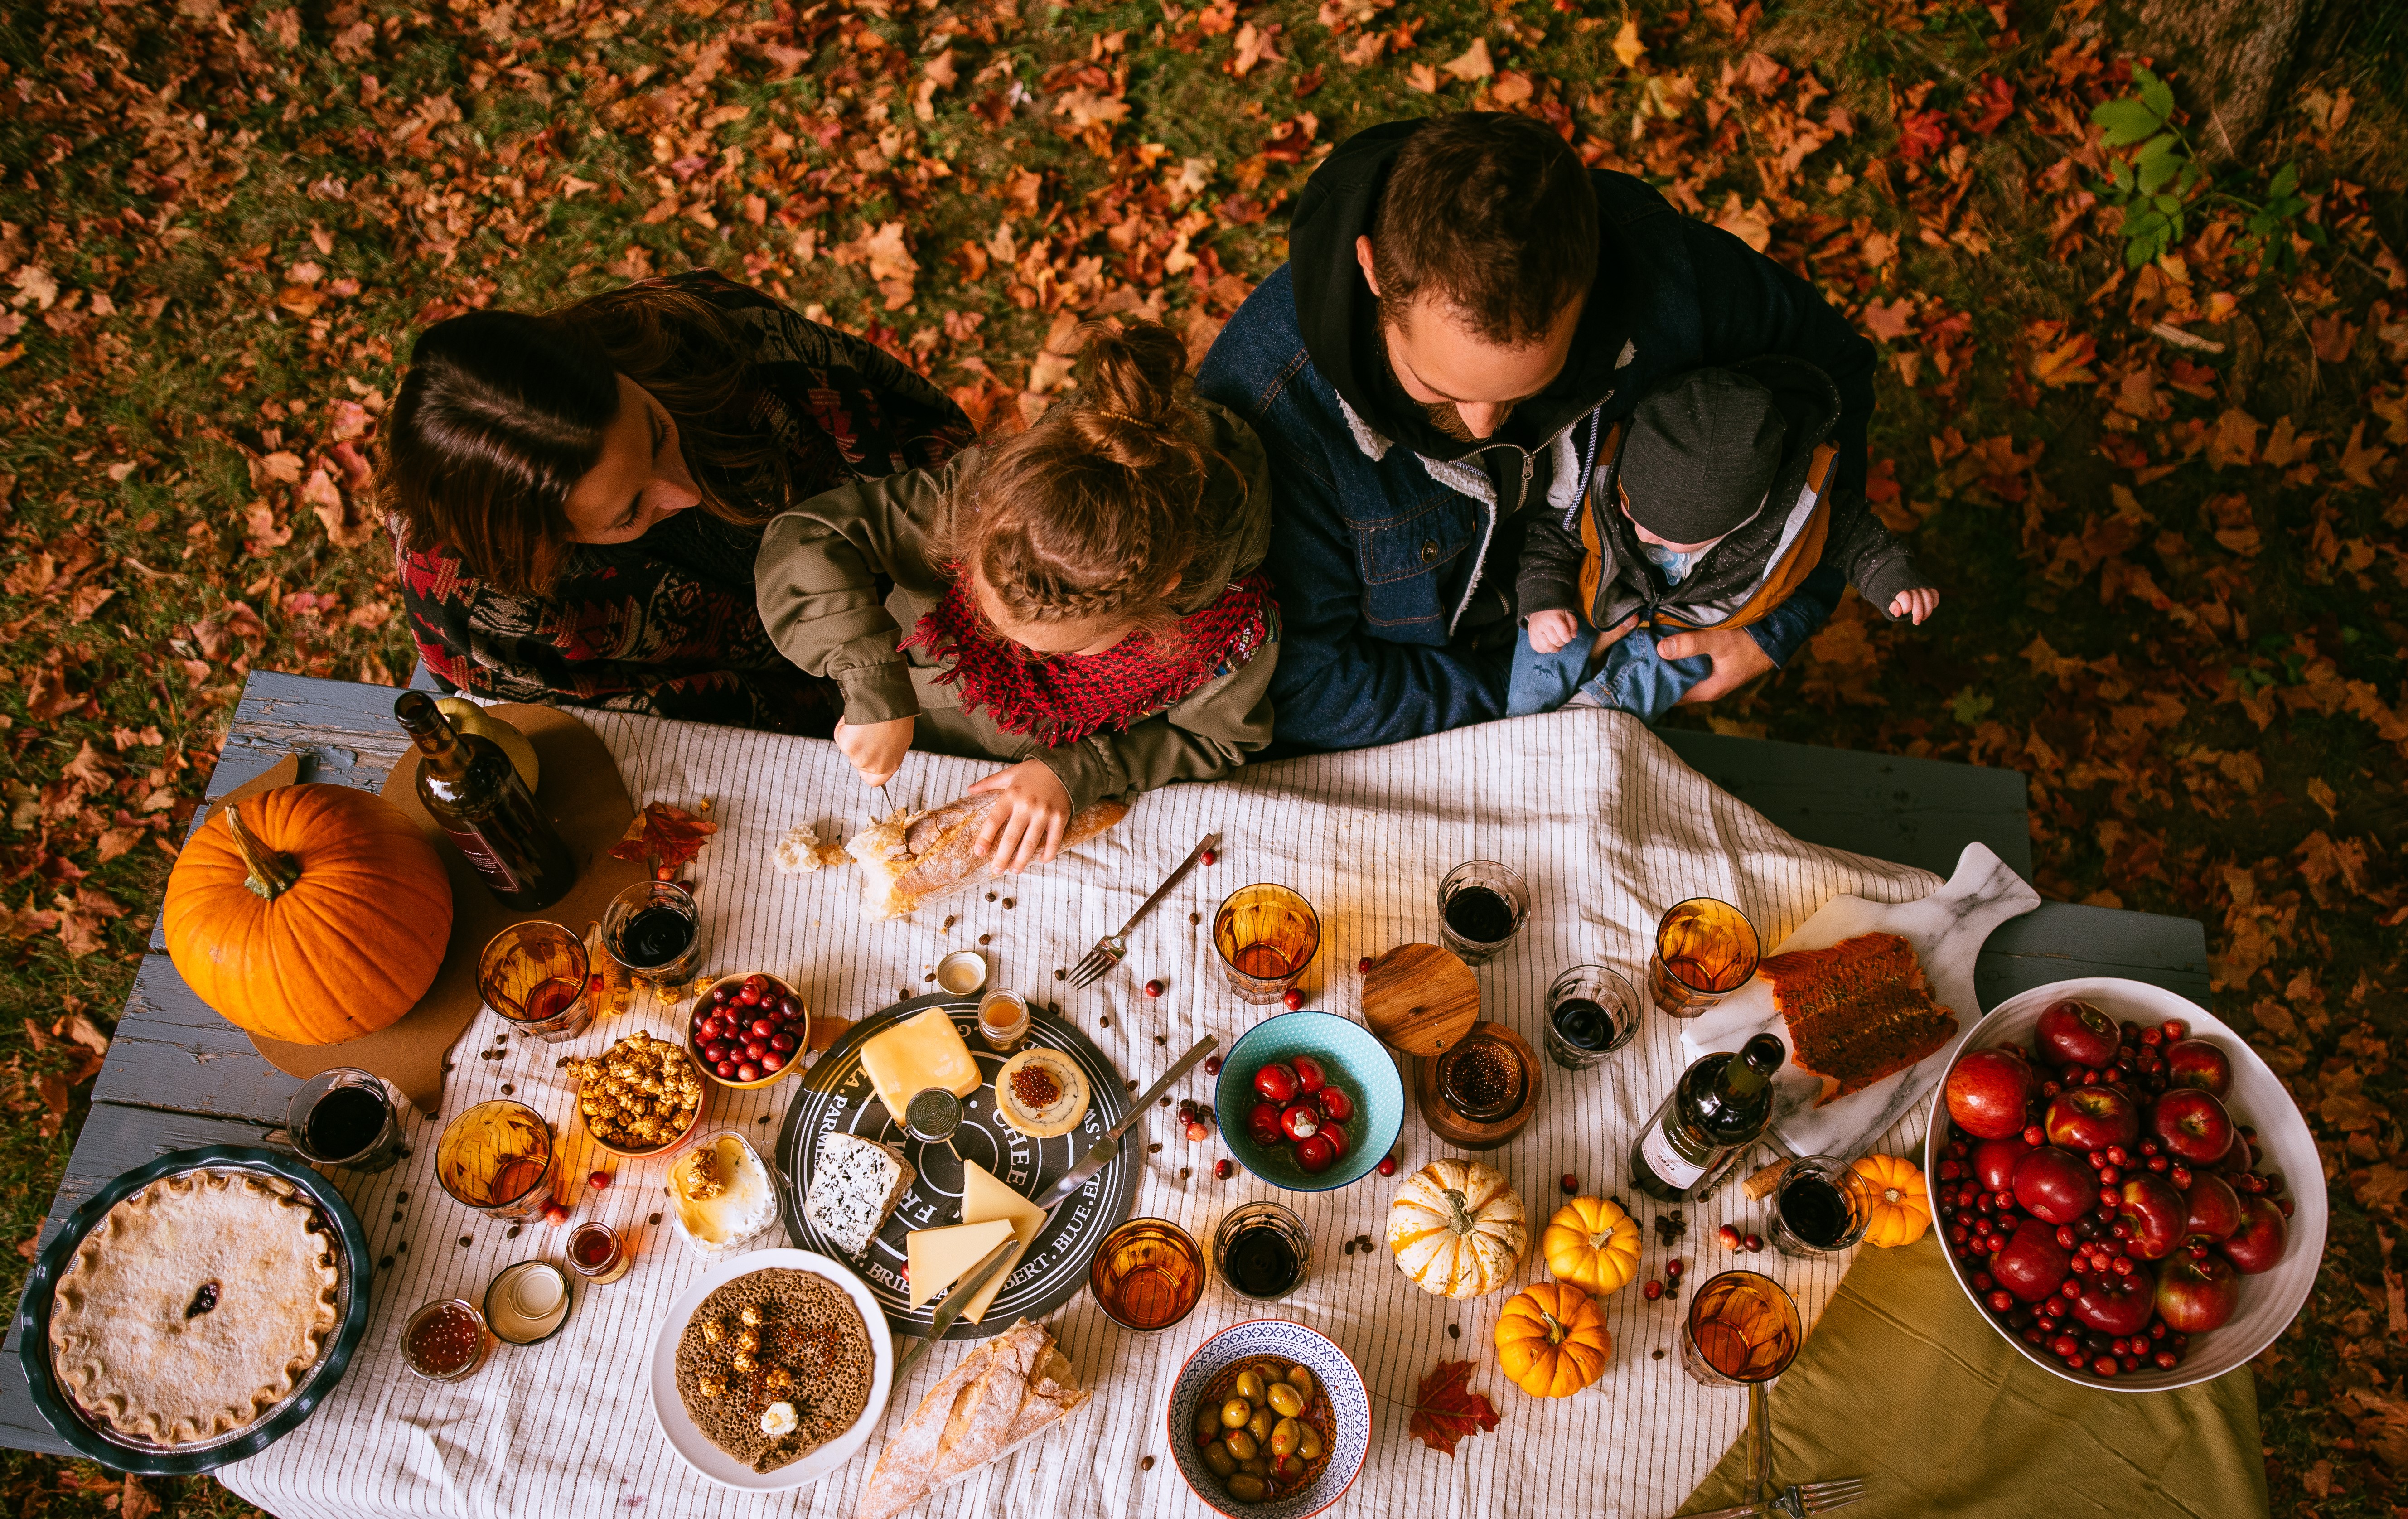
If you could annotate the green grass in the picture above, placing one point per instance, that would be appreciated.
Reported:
(129, 438)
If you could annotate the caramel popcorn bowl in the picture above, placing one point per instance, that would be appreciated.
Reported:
(616, 1096)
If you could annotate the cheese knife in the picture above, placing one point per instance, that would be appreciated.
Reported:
(1106, 1148)
(950, 1309)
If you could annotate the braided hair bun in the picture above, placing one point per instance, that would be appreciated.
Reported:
(1096, 512)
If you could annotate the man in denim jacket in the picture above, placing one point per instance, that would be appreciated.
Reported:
(1464, 312)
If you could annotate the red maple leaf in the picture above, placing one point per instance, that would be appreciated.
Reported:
(1991, 105)
(663, 834)
(1446, 1410)
(1921, 133)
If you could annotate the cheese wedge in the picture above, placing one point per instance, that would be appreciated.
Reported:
(938, 1258)
(985, 1198)
(915, 1054)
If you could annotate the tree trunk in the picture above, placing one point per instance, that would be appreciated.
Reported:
(2235, 57)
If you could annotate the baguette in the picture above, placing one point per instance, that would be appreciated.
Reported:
(1005, 1392)
(909, 858)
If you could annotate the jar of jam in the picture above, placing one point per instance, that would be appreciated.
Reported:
(1003, 1020)
(597, 1253)
(445, 1341)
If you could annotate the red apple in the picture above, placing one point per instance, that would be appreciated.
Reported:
(2091, 1118)
(2074, 1033)
(2240, 1158)
(2154, 1212)
(2196, 1294)
(2212, 1209)
(1995, 1162)
(2193, 1124)
(2031, 1265)
(1987, 1091)
(2197, 1063)
(2114, 1304)
(2055, 1186)
(2258, 1244)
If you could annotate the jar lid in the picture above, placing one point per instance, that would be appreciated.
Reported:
(962, 972)
(527, 1302)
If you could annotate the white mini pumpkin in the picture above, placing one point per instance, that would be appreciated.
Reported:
(1457, 1228)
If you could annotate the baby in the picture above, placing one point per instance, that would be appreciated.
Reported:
(1708, 511)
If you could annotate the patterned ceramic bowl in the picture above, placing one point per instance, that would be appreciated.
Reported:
(1350, 1408)
(1356, 1063)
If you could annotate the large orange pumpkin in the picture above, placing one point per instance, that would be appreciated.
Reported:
(311, 914)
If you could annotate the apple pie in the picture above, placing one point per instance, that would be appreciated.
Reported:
(194, 1306)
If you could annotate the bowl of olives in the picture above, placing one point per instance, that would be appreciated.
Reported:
(1270, 1420)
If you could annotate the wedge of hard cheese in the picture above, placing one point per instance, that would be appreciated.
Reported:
(1005, 1392)
(985, 1198)
(938, 1258)
(923, 1051)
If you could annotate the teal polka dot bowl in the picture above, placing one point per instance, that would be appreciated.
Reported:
(1354, 1061)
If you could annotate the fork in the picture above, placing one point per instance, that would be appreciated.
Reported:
(1113, 948)
(1797, 1500)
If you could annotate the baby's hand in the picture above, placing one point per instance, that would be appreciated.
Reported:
(1551, 630)
(1915, 605)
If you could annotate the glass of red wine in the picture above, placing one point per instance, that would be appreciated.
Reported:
(1262, 1250)
(1480, 906)
(1591, 1012)
(1823, 1205)
(654, 931)
(346, 1117)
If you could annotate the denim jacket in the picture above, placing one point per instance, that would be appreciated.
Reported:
(1376, 551)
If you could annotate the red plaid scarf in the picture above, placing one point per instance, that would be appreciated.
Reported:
(1059, 700)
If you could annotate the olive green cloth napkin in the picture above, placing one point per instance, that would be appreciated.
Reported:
(1902, 1383)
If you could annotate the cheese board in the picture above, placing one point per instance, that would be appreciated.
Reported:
(954, 1190)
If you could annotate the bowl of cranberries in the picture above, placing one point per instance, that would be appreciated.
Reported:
(748, 1030)
(2123, 1187)
(1309, 1102)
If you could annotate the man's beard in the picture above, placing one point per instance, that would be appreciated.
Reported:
(1446, 419)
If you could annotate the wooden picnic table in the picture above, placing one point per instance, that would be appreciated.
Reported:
(178, 1076)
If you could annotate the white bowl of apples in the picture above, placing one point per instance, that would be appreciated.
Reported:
(2140, 1154)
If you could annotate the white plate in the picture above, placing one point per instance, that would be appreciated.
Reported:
(2269, 1301)
(695, 1448)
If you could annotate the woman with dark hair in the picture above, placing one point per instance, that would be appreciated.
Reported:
(578, 497)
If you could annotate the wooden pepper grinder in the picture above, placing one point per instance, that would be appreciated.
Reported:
(1477, 1084)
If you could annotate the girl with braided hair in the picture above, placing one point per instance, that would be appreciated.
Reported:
(1084, 599)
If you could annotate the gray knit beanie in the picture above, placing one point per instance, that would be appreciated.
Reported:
(1704, 448)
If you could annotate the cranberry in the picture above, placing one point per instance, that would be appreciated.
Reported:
(1651, 1291)
(2179, 1174)
(2106, 1365)
(761, 1028)
(1570, 1184)
(1387, 1164)
(2283, 1205)
(755, 1049)
(1363, 966)
(773, 1062)
(789, 1009)
(1212, 1065)
(2131, 1362)
(1276, 1082)
(2097, 1158)
(1729, 1234)
(2065, 1237)
(2110, 1198)
(2109, 1176)
(1983, 1281)
(1223, 1169)
(2035, 1136)
(1672, 1269)
(783, 1042)
(2051, 1088)
(2150, 1147)
(1310, 1077)
(724, 1070)
(1950, 1171)
(1336, 1103)
(749, 997)
(2174, 1029)
(599, 1181)
(1957, 1148)
(2159, 1163)
(2000, 1300)
(717, 1051)
(1196, 1130)
(1210, 857)
(2166, 1360)
(554, 1215)
(748, 1071)
(2065, 1346)
(1292, 999)
(1153, 988)
(706, 1029)
(2152, 1035)
(2157, 1328)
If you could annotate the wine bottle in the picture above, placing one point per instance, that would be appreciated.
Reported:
(1720, 1103)
(469, 787)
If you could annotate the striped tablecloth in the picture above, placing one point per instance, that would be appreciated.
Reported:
(1605, 823)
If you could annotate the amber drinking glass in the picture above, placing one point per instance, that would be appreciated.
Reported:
(1266, 935)
(1481, 907)
(496, 1158)
(534, 974)
(1742, 1329)
(1705, 950)
(1148, 1274)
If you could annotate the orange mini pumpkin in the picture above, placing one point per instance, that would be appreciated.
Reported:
(311, 913)
(1549, 1341)
(1901, 1208)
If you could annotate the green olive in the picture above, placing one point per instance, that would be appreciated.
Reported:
(1287, 1400)
(1246, 1487)
(1260, 1425)
(1300, 1378)
(1217, 1457)
(1259, 1463)
(1287, 1436)
(1235, 1413)
(1308, 1444)
(1241, 1444)
(1208, 1423)
(1250, 1386)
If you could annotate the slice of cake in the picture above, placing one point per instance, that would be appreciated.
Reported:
(1858, 1011)
(855, 1185)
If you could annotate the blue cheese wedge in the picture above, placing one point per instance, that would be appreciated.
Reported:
(855, 1185)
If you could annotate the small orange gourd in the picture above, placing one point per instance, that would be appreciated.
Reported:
(1901, 1210)
(1593, 1244)
(311, 914)
(1549, 1341)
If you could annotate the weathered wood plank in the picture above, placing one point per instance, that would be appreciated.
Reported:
(1917, 811)
(2063, 939)
(172, 1050)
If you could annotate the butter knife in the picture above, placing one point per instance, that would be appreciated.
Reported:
(1105, 1149)
(950, 1309)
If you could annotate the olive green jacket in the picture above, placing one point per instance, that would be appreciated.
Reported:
(814, 578)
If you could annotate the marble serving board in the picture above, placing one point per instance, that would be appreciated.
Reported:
(1947, 929)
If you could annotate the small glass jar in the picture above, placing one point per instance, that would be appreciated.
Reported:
(597, 1253)
(445, 1341)
(527, 1302)
(1003, 1020)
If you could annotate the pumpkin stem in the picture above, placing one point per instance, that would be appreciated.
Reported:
(1892, 1196)
(269, 875)
(1460, 1206)
(1555, 1330)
